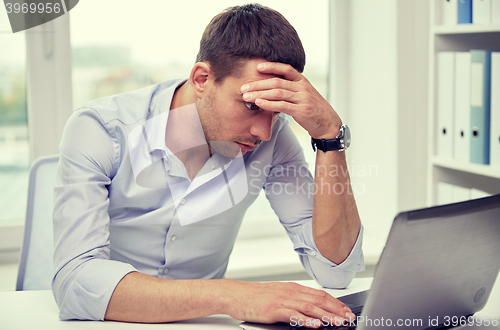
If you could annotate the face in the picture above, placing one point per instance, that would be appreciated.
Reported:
(230, 124)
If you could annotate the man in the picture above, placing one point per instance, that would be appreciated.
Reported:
(140, 232)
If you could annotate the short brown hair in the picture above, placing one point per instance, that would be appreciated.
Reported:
(245, 32)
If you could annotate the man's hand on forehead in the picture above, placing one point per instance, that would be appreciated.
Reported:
(294, 95)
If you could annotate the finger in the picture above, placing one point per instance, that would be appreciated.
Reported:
(325, 294)
(295, 318)
(272, 95)
(293, 289)
(310, 310)
(321, 301)
(277, 106)
(282, 69)
(271, 83)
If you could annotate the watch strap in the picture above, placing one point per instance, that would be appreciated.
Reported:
(326, 144)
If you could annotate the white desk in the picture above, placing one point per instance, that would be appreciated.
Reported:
(38, 310)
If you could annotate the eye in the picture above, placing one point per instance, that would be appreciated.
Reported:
(251, 106)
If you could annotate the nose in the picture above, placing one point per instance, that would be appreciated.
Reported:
(262, 124)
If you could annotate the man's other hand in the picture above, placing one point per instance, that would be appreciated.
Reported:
(283, 302)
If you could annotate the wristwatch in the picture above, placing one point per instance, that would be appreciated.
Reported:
(340, 143)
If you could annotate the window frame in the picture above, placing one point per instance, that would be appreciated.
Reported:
(49, 103)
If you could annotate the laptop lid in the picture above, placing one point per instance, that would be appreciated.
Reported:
(438, 263)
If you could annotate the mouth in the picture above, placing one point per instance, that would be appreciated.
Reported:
(246, 147)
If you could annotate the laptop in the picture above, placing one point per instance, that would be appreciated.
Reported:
(438, 266)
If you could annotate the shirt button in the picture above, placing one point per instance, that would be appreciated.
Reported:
(183, 201)
(165, 271)
(313, 253)
(173, 238)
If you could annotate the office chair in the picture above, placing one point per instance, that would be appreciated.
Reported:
(35, 265)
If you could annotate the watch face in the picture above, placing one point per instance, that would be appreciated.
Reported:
(346, 139)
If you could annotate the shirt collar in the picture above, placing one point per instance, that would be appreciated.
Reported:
(156, 125)
(155, 130)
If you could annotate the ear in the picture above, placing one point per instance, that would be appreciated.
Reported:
(200, 78)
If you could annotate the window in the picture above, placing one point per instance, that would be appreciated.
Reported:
(118, 48)
(14, 145)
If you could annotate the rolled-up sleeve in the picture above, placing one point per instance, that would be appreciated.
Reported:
(326, 272)
(290, 188)
(84, 277)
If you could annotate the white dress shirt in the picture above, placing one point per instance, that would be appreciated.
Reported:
(124, 203)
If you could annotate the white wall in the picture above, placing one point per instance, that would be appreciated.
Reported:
(413, 72)
(373, 110)
(364, 92)
(378, 85)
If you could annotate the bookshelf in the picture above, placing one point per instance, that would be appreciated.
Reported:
(465, 29)
(476, 169)
(455, 38)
